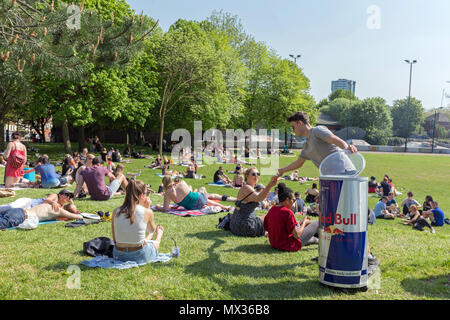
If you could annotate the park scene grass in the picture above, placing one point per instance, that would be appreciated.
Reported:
(214, 264)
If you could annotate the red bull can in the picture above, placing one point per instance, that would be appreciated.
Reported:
(343, 240)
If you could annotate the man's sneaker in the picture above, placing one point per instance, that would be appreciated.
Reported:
(432, 231)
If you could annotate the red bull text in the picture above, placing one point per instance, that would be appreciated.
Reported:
(343, 246)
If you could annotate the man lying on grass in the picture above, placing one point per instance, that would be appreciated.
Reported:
(44, 212)
(61, 200)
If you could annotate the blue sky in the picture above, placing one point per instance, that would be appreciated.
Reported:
(342, 39)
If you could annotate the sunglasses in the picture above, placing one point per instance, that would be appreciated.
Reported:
(256, 174)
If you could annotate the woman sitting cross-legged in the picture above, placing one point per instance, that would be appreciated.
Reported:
(244, 221)
(284, 232)
(130, 222)
(181, 193)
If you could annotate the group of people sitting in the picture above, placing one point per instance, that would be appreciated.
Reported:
(410, 210)
(383, 188)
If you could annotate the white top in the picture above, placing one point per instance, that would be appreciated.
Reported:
(130, 233)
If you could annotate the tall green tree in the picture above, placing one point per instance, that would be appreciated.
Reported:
(372, 115)
(190, 79)
(406, 119)
(119, 39)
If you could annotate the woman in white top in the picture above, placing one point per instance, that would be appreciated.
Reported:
(130, 222)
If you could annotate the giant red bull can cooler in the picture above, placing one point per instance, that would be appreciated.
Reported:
(343, 239)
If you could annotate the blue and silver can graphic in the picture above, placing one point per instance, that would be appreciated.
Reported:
(343, 240)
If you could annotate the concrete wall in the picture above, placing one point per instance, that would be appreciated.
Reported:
(401, 149)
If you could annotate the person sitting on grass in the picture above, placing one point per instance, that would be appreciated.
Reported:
(427, 204)
(190, 171)
(131, 222)
(416, 220)
(385, 186)
(44, 212)
(392, 206)
(119, 173)
(109, 164)
(181, 193)
(272, 198)
(116, 156)
(380, 209)
(312, 194)
(84, 190)
(373, 185)
(435, 214)
(46, 170)
(221, 178)
(299, 204)
(95, 181)
(84, 155)
(408, 202)
(284, 232)
(238, 180)
(243, 221)
(157, 164)
(61, 200)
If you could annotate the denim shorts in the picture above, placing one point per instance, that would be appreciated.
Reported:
(142, 256)
(49, 184)
(113, 187)
(12, 218)
(201, 201)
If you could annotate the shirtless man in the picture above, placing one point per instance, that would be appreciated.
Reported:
(44, 212)
(61, 200)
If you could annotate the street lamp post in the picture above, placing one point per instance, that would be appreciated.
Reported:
(409, 101)
(295, 57)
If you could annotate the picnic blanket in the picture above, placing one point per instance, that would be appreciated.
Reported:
(219, 185)
(106, 262)
(182, 212)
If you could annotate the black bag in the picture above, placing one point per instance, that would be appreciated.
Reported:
(224, 223)
(101, 246)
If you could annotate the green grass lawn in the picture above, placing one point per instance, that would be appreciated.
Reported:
(214, 264)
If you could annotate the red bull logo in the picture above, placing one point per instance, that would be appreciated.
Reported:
(338, 219)
(334, 230)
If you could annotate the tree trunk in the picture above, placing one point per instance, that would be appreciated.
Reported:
(81, 139)
(2, 134)
(43, 132)
(66, 136)
(161, 135)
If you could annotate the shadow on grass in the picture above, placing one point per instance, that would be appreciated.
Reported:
(279, 288)
(437, 286)
(263, 248)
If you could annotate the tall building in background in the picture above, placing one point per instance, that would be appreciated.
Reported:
(344, 84)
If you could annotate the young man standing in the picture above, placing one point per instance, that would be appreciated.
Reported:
(320, 143)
